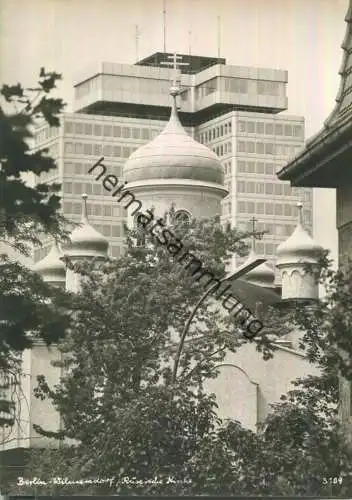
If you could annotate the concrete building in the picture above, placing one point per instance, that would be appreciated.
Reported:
(326, 162)
(236, 111)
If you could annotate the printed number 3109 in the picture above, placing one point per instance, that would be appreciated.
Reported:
(332, 480)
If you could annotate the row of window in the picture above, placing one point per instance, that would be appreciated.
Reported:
(238, 86)
(215, 133)
(277, 129)
(77, 168)
(79, 148)
(94, 209)
(275, 188)
(47, 133)
(266, 148)
(97, 130)
(256, 167)
(223, 149)
(270, 228)
(269, 208)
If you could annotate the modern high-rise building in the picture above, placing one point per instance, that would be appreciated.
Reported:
(235, 110)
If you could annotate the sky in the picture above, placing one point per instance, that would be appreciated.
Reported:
(301, 36)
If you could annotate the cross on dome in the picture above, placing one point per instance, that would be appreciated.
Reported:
(300, 213)
(175, 62)
(253, 221)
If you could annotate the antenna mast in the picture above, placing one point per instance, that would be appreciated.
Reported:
(219, 36)
(164, 25)
(137, 33)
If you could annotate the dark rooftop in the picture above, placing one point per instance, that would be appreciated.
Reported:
(195, 63)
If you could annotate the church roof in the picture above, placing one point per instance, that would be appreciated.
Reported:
(299, 247)
(262, 275)
(174, 154)
(52, 268)
(319, 163)
(85, 240)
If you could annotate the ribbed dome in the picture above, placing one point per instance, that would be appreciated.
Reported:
(174, 155)
(85, 240)
(262, 275)
(299, 247)
(51, 268)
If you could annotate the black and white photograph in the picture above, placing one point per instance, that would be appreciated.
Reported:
(176, 248)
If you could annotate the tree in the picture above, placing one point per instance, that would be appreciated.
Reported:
(30, 310)
(25, 211)
(117, 396)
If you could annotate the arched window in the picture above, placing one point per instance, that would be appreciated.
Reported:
(182, 216)
(139, 227)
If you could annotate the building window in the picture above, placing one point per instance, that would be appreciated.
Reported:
(250, 127)
(107, 130)
(126, 132)
(67, 187)
(269, 129)
(260, 128)
(78, 168)
(298, 131)
(287, 190)
(241, 147)
(260, 167)
(288, 130)
(107, 210)
(241, 207)
(97, 189)
(97, 130)
(250, 147)
(278, 209)
(251, 187)
(250, 207)
(68, 147)
(68, 128)
(241, 187)
(115, 231)
(206, 88)
(260, 208)
(136, 133)
(287, 210)
(125, 152)
(117, 151)
(269, 208)
(260, 188)
(107, 150)
(241, 126)
(115, 251)
(88, 129)
(97, 149)
(87, 149)
(241, 166)
(269, 168)
(259, 148)
(269, 188)
(279, 129)
(269, 148)
(117, 131)
(278, 189)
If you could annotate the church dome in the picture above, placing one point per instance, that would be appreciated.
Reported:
(299, 247)
(51, 268)
(262, 275)
(85, 240)
(174, 154)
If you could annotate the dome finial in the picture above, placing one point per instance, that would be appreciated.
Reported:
(300, 213)
(84, 208)
(253, 221)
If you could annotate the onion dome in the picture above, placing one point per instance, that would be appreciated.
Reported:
(299, 247)
(51, 268)
(174, 154)
(262, 275)
(85, 240)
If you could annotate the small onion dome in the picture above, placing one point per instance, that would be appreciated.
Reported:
(263, 275)
(85, 240)
(51, 268)
(299, 247)
(174, 154)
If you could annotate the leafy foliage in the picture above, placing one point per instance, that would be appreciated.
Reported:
(25, 211)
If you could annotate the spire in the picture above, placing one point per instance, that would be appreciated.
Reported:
(262, 275)
(293, 256)
(300, 213)
(86, 242)
(51, 268)
(84, 208)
